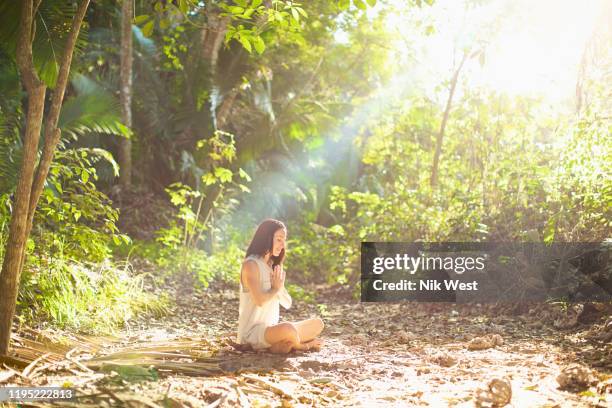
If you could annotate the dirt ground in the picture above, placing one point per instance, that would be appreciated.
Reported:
(387, 355)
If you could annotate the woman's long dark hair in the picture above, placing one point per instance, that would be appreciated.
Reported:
(263, 238)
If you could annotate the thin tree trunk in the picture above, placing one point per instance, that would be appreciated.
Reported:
(434, 169)
(125, 145)
(30, 186)
(35, 88)
(15, 247)
(52, 132)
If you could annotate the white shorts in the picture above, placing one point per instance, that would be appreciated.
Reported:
(256, 337)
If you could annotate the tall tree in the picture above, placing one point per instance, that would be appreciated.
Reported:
(440, 137)
(32, 178)
(125, 144)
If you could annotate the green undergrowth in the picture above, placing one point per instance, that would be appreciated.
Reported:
(221, 266)
(96, 298)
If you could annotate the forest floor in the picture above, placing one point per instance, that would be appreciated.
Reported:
(410, 354)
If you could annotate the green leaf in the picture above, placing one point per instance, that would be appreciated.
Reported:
(295, 14)
(344, 4)
(131, 373)
(337, 229)
(183, 6)
(314, 142)
(256, 3)
(225, 175)
(164, 23)
(549, 230)
(147, 29)
(360, 4)
(245, 43)
(208, 179)
(236, 10)
(141, 19)
(244, 174)
(84, 176)
(371, 3)
(259, 44)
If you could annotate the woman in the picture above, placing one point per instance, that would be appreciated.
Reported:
(262, 290)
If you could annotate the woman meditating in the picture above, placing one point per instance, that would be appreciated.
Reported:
(262, 290)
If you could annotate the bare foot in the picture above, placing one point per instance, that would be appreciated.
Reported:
(313, 345)
(282, 347)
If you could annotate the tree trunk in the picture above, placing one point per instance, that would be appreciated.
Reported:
(125, 145)
(449, 103)
(15, 247)
(11, 265)
(30, 186)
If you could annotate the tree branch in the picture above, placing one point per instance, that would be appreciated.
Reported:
(24, 47)
(434, 170)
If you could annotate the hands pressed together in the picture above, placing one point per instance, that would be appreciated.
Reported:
(278, 277)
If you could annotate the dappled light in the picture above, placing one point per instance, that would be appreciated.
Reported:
(262, 203)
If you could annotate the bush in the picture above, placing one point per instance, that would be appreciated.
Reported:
(74, 218)
(95, 298)
(319, 254)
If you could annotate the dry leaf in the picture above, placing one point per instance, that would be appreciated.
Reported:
(575, 377)
(5, 375)
(485, 342)
(497, 394)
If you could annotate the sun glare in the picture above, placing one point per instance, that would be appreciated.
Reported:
(540, 51)
(534, 47)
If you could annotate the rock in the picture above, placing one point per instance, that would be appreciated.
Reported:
(576, 377)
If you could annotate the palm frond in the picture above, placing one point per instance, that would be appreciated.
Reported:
(53, 20)
(93, 110)
(10, 97)
(10, 160)
(98, 153)
(11, 116)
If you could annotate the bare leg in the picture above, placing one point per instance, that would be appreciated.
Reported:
(283, 337)
(286, 336)
(309, 329)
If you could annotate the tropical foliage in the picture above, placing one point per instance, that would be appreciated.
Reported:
(243, 110)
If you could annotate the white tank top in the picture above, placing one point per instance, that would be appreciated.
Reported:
(249, 313)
